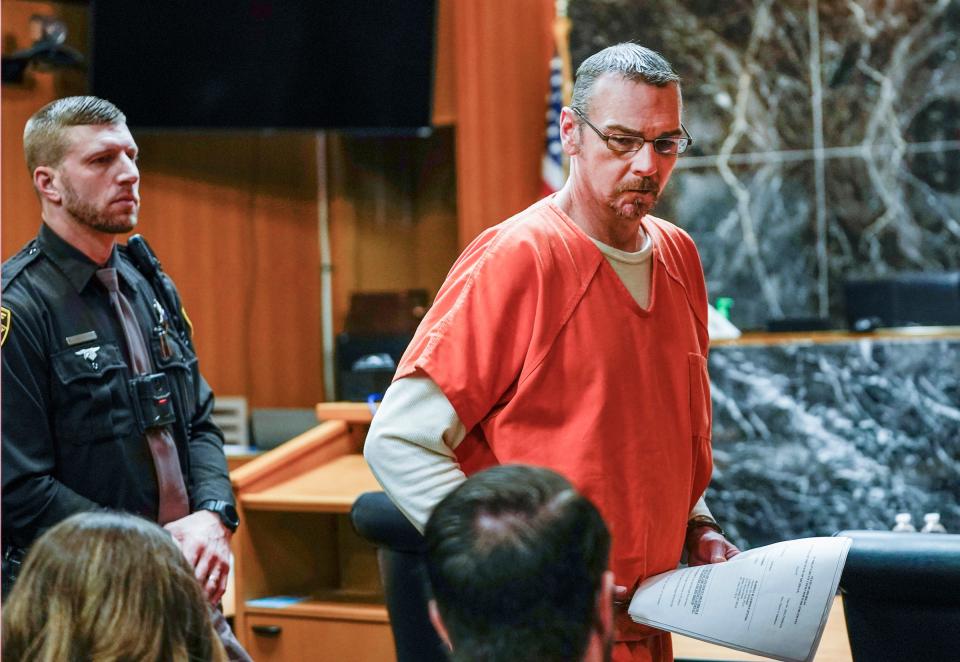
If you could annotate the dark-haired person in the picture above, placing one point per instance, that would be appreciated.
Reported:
(103, 401)
(107, 586)
(574, 336)
(517, 561)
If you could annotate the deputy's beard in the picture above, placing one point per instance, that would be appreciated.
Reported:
(87, 214)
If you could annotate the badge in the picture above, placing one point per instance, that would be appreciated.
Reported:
(89, 354)
(4, 324)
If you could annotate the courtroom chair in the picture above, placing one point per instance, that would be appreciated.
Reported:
(400, 549)
(272, 426)
(901, 596)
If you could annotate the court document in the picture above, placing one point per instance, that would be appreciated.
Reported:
(771, 601)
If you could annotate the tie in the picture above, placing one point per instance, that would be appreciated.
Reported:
(173, 493)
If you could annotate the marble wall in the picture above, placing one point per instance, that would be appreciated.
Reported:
(827, 139)
(810, 439)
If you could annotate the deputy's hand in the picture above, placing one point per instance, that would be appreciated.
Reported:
(704, 545)
(205, 542)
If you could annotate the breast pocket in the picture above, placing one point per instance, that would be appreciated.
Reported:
(90, 394)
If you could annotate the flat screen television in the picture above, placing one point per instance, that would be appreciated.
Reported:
(256, 64)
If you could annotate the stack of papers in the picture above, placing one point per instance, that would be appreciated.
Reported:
(771, 601)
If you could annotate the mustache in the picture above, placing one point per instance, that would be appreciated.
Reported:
(642, 185)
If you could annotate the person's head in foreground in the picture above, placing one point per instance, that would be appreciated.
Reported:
(517, 561)
(108, 587)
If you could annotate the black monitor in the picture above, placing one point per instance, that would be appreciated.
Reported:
(255, 64)
(906, 299)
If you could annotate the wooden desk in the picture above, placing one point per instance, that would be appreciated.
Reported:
(238, 458)
(834, 646)
(307, 586)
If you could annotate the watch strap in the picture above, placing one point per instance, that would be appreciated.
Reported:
(220, 508)
(704, 520)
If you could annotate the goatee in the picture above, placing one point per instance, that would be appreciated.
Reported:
(642, 187)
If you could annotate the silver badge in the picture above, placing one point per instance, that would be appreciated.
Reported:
(89, 354)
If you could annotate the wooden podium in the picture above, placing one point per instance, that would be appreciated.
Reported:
(307, 587)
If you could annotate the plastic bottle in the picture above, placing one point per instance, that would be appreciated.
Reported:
(904, 523)
(931, 524)
(724, 304)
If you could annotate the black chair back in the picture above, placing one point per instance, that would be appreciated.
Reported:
(404, 574)
(901, 596)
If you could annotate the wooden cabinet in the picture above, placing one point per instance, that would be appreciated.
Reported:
(316, 637)
(307, 587)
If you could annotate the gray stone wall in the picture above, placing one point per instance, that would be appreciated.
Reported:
(827, 139)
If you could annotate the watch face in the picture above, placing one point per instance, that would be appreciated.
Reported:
(226, 512)
(231, 516)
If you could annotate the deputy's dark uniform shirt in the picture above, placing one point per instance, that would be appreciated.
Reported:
(70, 437)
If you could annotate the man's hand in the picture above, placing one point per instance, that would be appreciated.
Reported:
(621, 596)
(205, 542)
(704, 545)
(621, 602)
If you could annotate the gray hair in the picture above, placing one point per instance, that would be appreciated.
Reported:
(634, 62)
(44, 142)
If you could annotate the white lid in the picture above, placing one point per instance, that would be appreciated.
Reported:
(903, 517)
(931, 517)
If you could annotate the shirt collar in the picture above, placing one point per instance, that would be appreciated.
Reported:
(76, 266)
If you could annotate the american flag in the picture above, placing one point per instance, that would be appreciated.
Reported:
(552, 175)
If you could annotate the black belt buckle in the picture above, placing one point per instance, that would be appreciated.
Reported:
(13, 554)
(12, 560)
(10, 569)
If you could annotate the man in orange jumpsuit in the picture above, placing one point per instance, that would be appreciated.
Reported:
(574, 336)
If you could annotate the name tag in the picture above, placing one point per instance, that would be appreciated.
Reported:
(81, 338)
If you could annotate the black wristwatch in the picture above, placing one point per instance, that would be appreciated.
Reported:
(224, 510)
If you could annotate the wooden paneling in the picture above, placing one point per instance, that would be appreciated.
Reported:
(20, 209)
(393, 218)
(503, 51)
(234, 219)
(444, 84)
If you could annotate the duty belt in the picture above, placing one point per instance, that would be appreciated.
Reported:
(13, 554)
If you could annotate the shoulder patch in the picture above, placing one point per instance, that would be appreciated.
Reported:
(5, 320)
(16, 264)
(183, 314)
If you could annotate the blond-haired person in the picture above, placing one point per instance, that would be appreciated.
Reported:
(107, 586)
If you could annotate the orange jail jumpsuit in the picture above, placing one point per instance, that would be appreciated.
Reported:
(548, 360)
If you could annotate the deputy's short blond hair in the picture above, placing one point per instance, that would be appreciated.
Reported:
(44, 141)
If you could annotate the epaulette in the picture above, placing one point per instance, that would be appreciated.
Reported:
(17, 263)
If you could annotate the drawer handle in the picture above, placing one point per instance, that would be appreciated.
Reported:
(267, 630)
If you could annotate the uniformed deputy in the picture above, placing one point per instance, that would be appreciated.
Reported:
(103, 402)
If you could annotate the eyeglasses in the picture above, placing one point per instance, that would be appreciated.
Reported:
(617, 142)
